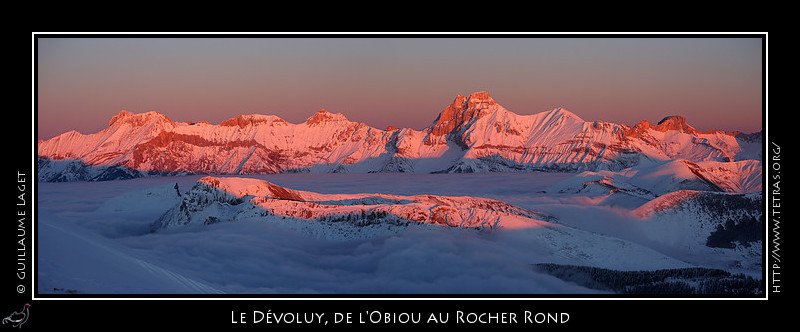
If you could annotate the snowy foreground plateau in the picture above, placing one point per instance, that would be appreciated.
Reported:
(398, 233)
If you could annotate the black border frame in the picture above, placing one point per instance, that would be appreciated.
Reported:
(632, 306)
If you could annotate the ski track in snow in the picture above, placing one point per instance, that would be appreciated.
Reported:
(80, 262)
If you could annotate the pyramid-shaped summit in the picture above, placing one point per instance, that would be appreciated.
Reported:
(463, 110)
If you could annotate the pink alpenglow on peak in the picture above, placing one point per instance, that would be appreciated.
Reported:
(472, 134)
(324, 116)
(480, 98)
(463, 110)
(122, 114)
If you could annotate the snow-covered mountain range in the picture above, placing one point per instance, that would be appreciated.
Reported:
(473, 134)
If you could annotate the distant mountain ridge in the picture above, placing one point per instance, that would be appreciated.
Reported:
(473, 134)
(213, 199)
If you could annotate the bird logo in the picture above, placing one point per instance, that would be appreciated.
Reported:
(17, 318)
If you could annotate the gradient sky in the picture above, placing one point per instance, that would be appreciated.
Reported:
(716, 83)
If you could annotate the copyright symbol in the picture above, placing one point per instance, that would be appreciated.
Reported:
(20, 289)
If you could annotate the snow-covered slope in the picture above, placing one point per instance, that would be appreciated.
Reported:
(111, 146)
(711, 228)
(656, 179)
(472, 134)
(76, 261)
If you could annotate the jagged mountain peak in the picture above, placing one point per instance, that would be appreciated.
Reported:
(674, 122)
(672, 119)
(475, 98)
(463, 110)
(480, 97)
(122, 114)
